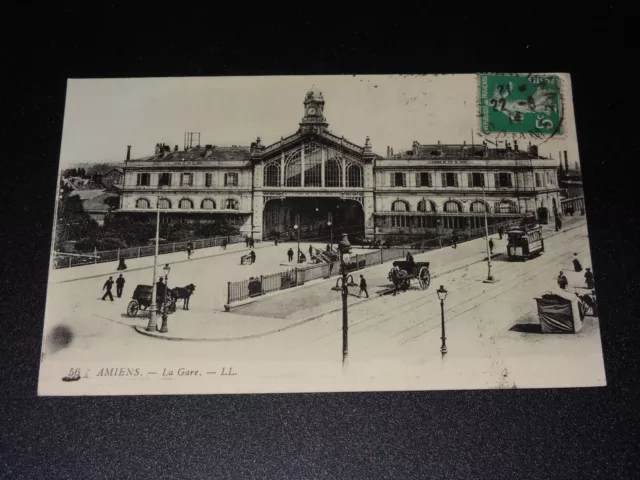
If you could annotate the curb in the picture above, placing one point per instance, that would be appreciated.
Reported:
(143, 331)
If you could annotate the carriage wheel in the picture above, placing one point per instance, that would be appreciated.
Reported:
(424, 278)
(132, 308)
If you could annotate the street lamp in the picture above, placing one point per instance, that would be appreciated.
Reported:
(438, 226)
(486, 238)
(442, 295)
(297, 228)
(153, 321)
(330, 224)
(165, 328)
(344, 247)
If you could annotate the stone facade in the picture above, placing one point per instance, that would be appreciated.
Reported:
(415, 191)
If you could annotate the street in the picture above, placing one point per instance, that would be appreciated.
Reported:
(394, 341)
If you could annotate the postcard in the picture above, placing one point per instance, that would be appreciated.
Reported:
(228, 235)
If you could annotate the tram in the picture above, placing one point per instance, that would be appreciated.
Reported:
(524, 243)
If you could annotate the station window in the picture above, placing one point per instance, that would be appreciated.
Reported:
(164, 180)
(231, 179)
(144, 179)
(398, 179)
(476, 179)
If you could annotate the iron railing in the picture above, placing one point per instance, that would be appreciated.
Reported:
(265, 284)
(66, 261)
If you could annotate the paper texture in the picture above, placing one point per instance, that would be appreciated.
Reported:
(319, 234)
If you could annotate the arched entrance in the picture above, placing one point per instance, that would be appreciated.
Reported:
(279, 217)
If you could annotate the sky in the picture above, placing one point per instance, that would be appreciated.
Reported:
(103, 116)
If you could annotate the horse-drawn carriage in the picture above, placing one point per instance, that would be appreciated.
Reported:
(410, 271)
(142, 300)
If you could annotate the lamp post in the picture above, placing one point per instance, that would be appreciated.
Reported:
(439, 231)
(344, 247)
(297, 228)
(486, 238)
(442, 295)
(153, 320)
(330, 224)
(165, 328)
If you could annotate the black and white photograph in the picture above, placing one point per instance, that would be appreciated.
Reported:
(288, 234)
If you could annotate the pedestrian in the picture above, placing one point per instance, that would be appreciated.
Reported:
(119, 285)
(224, 244)
(290, 254)
(246, 241)
(275, 241)
(253, 256)
(363, 286)
(576, 263)
(588, 276)
(310, 251)
(107, 285)
(161, 292)
(122, 265)
(500, 231)
(491, 246)
(454, 239)
(562, 281)
(251, 242)
(328, 248)
(189, 249)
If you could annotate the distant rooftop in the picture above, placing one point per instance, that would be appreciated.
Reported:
(207, 152)
(466, 151)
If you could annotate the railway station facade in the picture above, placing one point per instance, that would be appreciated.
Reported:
(314, 176)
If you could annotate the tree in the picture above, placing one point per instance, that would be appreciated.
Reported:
(74, 224)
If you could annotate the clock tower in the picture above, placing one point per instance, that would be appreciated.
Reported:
(313, 119)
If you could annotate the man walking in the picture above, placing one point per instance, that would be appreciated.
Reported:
(107, 285)
(253, 256)
(189, 249)
(310, 251)
(363, 286)
(290, 255)
(500, 231)
(119, 285)
(454, 239)
(491, 246)
(161, 292)
(562, 281)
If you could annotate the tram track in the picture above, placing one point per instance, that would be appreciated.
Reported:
(504, 285)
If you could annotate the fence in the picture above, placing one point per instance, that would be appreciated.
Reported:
(66, 261)
(264, 284)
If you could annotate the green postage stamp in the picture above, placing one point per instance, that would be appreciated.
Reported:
(521, 104)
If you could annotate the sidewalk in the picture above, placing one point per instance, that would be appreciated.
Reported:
(299, 305)
(289, 308)
(109, 268)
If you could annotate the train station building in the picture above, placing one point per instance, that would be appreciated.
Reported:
(314, 175)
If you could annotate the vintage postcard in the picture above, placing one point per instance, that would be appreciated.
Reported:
(221, 235)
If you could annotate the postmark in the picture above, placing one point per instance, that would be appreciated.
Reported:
(527, 104)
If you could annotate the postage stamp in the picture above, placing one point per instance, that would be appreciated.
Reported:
(522, 104)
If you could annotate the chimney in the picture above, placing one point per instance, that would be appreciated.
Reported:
(158, 150)
(175, 148)
(128, 152)
(392, 152)
(415, 148)
(566, 161)
(388, 151)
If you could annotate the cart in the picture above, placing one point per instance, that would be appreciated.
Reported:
(414, 271)
(141, 300)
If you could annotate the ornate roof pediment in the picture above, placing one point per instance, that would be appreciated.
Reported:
(307, 134)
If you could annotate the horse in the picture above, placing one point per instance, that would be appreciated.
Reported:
(183, 293)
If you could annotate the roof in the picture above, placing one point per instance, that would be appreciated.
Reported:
(117, 169)
(465, 151)
(98, 204)
(87, 194)
(200, 153)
